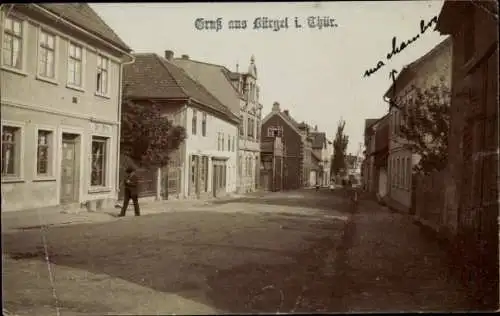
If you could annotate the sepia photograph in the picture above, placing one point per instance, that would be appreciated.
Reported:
(178, 158)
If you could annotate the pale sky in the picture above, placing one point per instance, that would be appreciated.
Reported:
(316, 74)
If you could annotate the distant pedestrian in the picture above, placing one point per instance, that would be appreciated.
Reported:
(131, 191)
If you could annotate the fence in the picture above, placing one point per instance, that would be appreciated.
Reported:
(429, 193)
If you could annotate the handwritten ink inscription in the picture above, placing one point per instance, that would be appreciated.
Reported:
(399, 47)
(267, 23)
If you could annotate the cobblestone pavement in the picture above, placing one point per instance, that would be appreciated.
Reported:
(303, 251)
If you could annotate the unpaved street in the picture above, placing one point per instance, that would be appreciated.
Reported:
(298, 251)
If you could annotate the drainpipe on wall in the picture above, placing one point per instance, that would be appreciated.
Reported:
(119, 120)
(185, 162)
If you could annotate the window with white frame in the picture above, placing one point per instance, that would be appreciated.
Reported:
(399, 168)
(75, 57)
(194, 122)
(242, 126)
(228, 142)
(240, 171)
(11, 151)
(250, 127)
(47, 55)
(247, 167)
(222, 141)
(257, 123)
(408, 172)
(393, 172)
(234, 144)
(389, 171)
(403, 171)
(275, 131)
(204, 124)
(102, 75)
(44, 153)
(218, 141)
(13, 43)
(99, 159)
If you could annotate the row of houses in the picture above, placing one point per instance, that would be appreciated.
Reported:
(64, 75)
(460, 202)
(389, 162)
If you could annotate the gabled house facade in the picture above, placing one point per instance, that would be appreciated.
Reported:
(280, 124)
(251, 120)
(322, 148)
(271, 171)
(240, 93)
(432, 69)
(380, 156)
(205, 164)
(61, 68)
(376, 156)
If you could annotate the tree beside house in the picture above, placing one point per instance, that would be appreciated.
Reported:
(205, 163)
(414, 81)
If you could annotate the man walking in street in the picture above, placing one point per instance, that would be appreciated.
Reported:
(131, 192)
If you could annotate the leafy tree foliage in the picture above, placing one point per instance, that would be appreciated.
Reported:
(425, 124)
(147, 136)
(339, 148)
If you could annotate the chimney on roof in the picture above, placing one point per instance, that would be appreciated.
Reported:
(185, 56)
(169, 55)
(287, 113)
(276, 107)
(237, 67)
(315, 128)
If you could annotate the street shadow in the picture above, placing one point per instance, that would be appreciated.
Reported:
(342, 274)
(201, 256)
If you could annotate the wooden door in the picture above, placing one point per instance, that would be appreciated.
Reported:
(266, 181)
(68, 171)
(215, 177)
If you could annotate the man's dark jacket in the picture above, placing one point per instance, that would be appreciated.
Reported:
(132, 184)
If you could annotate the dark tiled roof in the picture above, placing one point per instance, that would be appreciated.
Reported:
(291, 120)
(319, 139)
(82, 15)
(369, 122)
(153, 77)
(213, 77)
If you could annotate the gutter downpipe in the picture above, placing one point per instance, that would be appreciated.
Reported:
(120, 89)
(118, 127)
